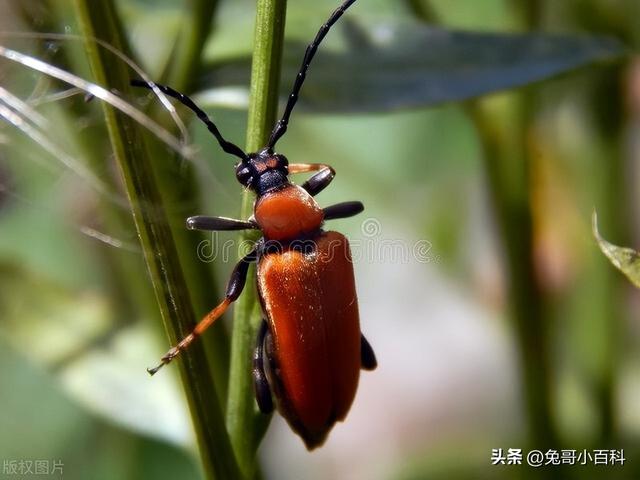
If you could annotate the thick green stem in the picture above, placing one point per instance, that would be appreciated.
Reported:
(178, 184)
(503, 137)
(605, 318)
(247, 426)
(99, 19)
(608, 96)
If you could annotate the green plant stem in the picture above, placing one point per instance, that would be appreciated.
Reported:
(185, 62)
(99, 19)
(608, 96)
(246, 426)
(606, 316)
(503, 137)
(502, 133)
(178, 186)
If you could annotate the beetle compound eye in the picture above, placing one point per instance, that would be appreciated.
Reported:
(283, 163)
(243, 174)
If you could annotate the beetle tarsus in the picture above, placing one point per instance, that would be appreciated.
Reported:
(170, 355)
(154, 370)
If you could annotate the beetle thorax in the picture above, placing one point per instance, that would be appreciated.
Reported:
(287, 214)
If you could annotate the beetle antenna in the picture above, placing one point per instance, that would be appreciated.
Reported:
(227, 146)
(281, 126)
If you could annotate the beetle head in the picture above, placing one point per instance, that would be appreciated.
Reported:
(263, 171)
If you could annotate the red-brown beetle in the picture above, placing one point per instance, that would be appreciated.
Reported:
(309, 350)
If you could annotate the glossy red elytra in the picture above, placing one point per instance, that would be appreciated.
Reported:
(309, 349)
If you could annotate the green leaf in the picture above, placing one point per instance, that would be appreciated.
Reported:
(627, 260)
(396, 65)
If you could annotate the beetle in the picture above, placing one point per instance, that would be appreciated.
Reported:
(309, 348)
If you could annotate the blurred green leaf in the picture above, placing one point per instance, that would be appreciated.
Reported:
(72, 334)
(42, 422)
(406, 64)
(627, 260)
(55, 324)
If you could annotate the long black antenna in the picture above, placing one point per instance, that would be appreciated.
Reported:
(227, 146)
(281, 125)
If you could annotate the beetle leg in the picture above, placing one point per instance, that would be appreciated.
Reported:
(342, 210)
(260, 382)
(317, 182)
(367, 357)
(234, 288)
(201, 222)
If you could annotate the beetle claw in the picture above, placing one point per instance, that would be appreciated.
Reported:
(170, 355)
(154, 370)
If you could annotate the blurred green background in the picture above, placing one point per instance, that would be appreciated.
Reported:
(496, 320)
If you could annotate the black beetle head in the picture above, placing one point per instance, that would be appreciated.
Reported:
(263, 172)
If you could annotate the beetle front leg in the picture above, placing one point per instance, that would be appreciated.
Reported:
(317, 182)
(201, 222)
(342, 210)
(261, 386)
(368, 359)
(234, 289)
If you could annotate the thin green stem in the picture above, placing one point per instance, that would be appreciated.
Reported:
(265, 71)
(185, 61)
(247, 426)
(100, 20)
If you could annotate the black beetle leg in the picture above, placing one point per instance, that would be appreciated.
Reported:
(342, 210)
(201, 222)
(367, 357)
(318, 182)
(261, 386)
